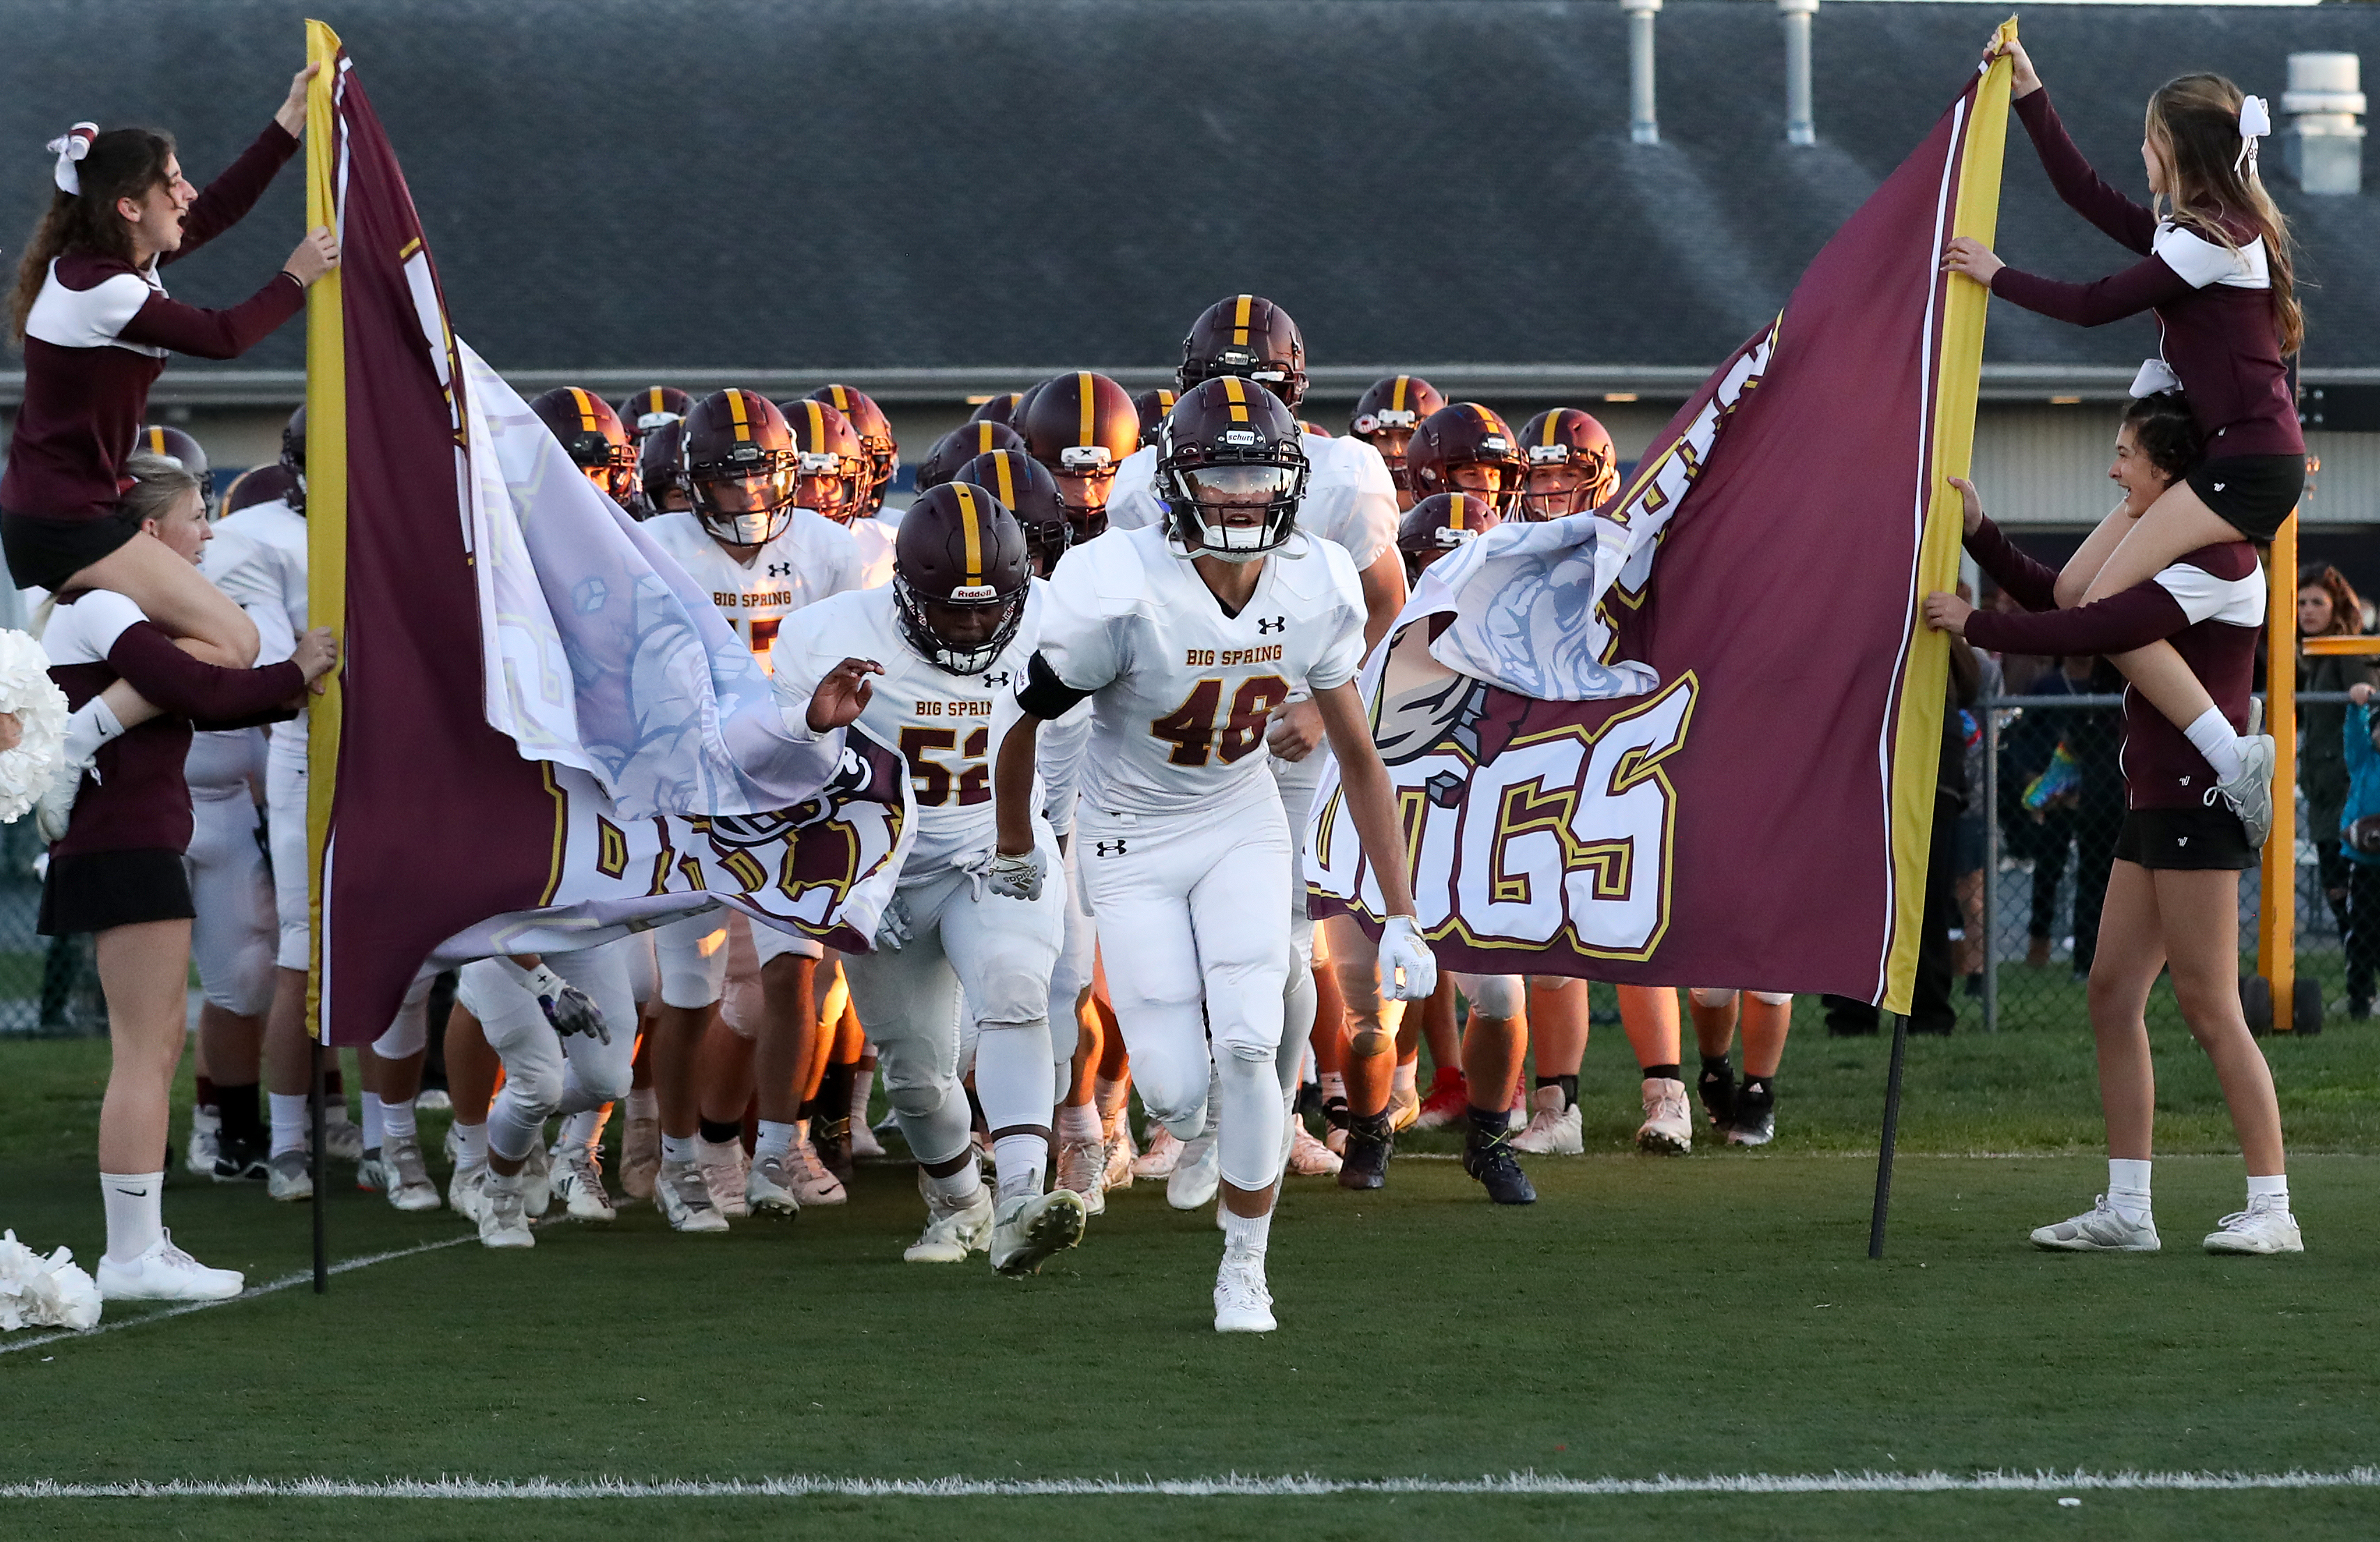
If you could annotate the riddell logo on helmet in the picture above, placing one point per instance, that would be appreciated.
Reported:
(1240, 436)
(975, 591)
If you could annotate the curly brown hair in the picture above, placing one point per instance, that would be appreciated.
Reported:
(123, 162)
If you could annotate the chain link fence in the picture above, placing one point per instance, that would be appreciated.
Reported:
(2037, 842)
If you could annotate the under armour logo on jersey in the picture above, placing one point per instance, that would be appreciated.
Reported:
(997, 679)
(781, 570)
(1268, 626)
(1109, 848)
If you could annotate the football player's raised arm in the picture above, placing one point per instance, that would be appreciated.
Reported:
(1369, 801)
(1384, 595)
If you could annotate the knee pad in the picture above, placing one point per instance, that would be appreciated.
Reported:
(1773, 998)
(915, 1101)
(1711, 998)
(536, 1088)
(1493, 995)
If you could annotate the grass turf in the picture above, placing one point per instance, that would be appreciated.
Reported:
(1713, 1315)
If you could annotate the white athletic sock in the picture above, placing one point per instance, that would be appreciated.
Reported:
(776, 1140)
(1408, 1079)
(471, 1141)
(2211, 734)
(582, 1130)
(2128, 1187)
(1247, 1122)
(677, 1148)
(398, 1125)
(373, 1124)
(1078, 1122)
(863, 1087)
(1246, 1235)
(717, 1152)
(1019, 1162)
(1110, 1096)
(2275, 1187)
(88, 727)
(957, 1188)
(289, 1120)
(133, 1223)
(644, 1103)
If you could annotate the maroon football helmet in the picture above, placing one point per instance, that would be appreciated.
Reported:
(183, 451)
(739, 466)
(1571, 465)
(660, 468)
(1438, 524)
(1386, 416)
(1467, 448)
(875, 433)
(1153, 406)
(1031, 494)
(594, 438)
(643, 411)
(996, 410)
(1080, 427)
(832, 470)
(1230, 448)
(962, 444)
(1249, 337)
(960, 577)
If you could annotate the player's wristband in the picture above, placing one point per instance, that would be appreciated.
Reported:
(1043, 695)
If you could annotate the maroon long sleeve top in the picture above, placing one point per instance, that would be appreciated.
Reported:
(135, 797)
(96, 340)
(2209, 605)
(2221, 339)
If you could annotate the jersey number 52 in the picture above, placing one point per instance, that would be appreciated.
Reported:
(1192, 731)
(933, 780)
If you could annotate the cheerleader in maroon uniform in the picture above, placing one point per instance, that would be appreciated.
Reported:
(117, 871)
(2215, 272)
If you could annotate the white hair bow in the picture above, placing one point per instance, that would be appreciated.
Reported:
(2255, 122)
(70, 146)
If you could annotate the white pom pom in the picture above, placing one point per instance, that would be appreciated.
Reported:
(39, 707)
(44, 1293)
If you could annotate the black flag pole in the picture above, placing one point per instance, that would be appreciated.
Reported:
(1891, 1135)
(321, 1172)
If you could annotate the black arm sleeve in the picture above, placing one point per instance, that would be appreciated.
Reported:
(1042, 693)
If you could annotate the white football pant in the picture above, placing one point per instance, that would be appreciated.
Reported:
(543, 1074)
(232, 940)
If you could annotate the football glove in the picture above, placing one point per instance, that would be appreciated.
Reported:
(894, 928)
(1408, 969)
(569, 1009)
(1019, 877)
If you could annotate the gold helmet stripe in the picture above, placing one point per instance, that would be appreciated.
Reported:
(1553, 426)
(1454, 511)
(983, 444)
(1007, 481)
(653, 400)
(817, 425)
(157, 441)
(1090, 401)
(1238, 396)
(842, 403)
(585, 410)
(971, 525)
(1396, 396)
(736, 410)
(1240, 321)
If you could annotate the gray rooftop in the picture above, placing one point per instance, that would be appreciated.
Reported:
(929, 185)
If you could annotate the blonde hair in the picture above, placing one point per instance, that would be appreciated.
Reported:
(159, 485)
(2193, 121)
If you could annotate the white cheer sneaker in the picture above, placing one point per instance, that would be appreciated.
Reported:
(2102, 1229)
(952, 1230)
(1028, 1228)
(166, 1273)
(466, 1192)
(1243, 1299)
(1668, 1130)
(814, 1183)
(1308, 1158)
(2265, 1227)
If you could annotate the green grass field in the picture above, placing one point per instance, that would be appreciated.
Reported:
(1710, 1315)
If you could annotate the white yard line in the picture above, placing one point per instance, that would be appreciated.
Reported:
(302, 1277)
(1230, 1486)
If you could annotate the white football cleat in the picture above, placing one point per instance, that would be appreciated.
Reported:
(537, 1179)
(2265, 1227)
(814, 1183)
(722, 1169)
(1119, 1155)
(2101, 1229)
(1553, 1130)
(1083, 1170)
(1667, 1130)
(640, 1156)
(1197, 1176)
(769, 1188)
(1308, 1158)
(952, 1230)
(342, 1140)
(682, 1196)
(288, 1176)
(578, 1183)
(466, 1192)
(206, 1143)
(166, 1273)
(371, 1173)
(504, 1222)
(1158, 1161)
(406, 1177)
(865, 1147)
(1242, 1301)
(1028, 1228)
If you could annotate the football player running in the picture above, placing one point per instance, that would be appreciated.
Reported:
(1186, 637)
(834, 478)
(1081, 427)
(594, 438)
(1572, 466)
(950, 633)
(1385, 418)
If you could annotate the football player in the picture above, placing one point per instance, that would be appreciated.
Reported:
(1744, 1111)
(1385, 418)
(172, 445)
(1152, 406)
(1080, 427)
(833, 477)
(1465, 447)
(654, 407)
(761, 556)
(1186, 637)
(952, 624)
(997, 409)
(660, 467)
(962, 444)
(1571, 465)
(594, 438)
(875, 433)
(1440, 523)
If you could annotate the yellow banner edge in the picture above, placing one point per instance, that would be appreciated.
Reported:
(1957, 378)
(326, 492)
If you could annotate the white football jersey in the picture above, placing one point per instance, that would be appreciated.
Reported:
(813, 559)
(947, 726)
(258, 557)
(874, 540)
(1350, 498)
(1183, 693)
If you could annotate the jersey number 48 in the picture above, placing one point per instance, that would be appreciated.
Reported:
(1192, 731)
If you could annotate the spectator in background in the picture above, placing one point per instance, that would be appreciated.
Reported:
(1967, 956)
(2329, 606)
(2046, 799)
(2359, 828)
